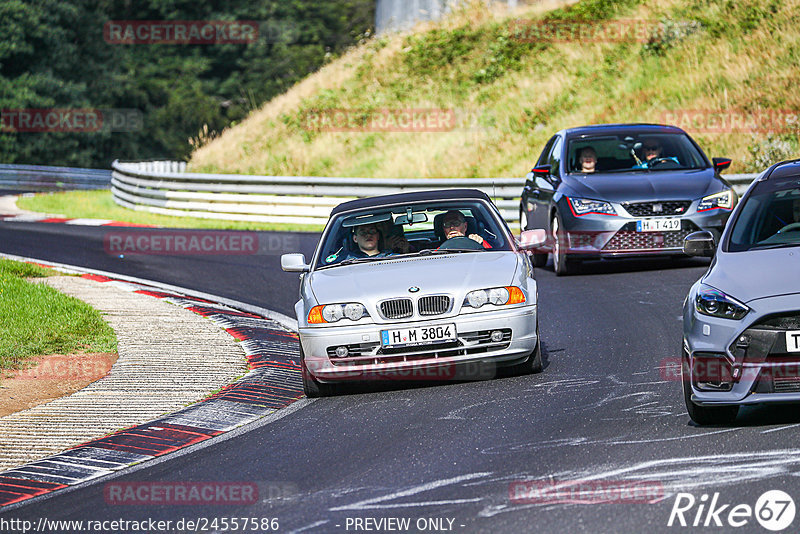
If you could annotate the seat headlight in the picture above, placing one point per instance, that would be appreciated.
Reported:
(332, 313)
(722, 200)
(714, 303)
(583, 206)
(499, 296)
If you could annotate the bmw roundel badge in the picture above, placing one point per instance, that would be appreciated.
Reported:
(413, 289)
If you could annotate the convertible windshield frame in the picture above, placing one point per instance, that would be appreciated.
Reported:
(624, 153)
(495, 228)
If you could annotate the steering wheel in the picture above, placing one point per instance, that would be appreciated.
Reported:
(658, 161)
(462, 243)
(794, 227)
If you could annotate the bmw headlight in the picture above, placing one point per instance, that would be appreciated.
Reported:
(583, 206)
(332, 313)
(499, 296)
(714, 303)
(722, 200)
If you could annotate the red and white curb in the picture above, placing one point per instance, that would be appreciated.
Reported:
(40, 218)
(272, 382)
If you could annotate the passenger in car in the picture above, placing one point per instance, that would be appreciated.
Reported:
(368, 243)
(454, 224)
(393, 237)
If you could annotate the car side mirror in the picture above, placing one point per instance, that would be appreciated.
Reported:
(700, 244)
(530, 239)
(294, 263)
(541, 171)
(720, 164)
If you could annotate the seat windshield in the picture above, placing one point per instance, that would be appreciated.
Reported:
(770, 217)
(633, 152)
(387, 232)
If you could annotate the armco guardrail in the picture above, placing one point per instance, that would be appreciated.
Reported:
(40, 178)
(165, 187)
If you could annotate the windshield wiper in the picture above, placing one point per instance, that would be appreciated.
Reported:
(428, 251)
(351, 261)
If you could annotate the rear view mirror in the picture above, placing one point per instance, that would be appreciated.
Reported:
(416, 218)
(700, 244)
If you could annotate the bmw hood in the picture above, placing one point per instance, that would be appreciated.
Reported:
(455, 274)
(641, 186)
(757, 274)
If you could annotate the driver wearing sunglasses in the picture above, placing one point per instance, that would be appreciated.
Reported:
(651, 154)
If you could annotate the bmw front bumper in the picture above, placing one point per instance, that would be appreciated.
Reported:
(367, 356)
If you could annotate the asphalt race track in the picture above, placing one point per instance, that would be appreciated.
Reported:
(605, 412)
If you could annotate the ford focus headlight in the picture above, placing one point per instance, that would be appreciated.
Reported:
(714, 303)
(583, 206)
(722, 200)
(332, 313)
(499, 296)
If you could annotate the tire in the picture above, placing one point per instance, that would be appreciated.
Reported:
(539, 260)
(533, 364)
(704, 415)
(312, 387)
(562, 264)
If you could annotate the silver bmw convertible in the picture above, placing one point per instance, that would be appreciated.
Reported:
(741, 320)
(416, 286)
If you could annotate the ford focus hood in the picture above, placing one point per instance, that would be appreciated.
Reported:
(756, 274)
(642, 186)
(453, 273)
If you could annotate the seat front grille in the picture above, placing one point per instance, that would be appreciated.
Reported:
(658, 209)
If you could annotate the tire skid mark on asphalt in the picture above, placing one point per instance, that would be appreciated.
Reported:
(273, 382)
(381, 502)
(670, 474)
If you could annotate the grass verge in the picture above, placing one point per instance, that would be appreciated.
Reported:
(35, 319)
(99, 205)
(700, 64)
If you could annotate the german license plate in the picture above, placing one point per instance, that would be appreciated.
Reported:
(793, 341)
(422, 335)
(658, 225)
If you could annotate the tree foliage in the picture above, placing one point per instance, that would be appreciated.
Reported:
(53, 55)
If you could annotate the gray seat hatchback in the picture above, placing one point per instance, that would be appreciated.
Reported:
(741, 320)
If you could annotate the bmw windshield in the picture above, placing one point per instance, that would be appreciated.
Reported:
(381, 233)
(770, 217)
(633, 152)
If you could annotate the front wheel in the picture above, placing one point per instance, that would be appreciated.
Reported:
(311, 387)
(705, 415)
(562, 265)
(533, 364)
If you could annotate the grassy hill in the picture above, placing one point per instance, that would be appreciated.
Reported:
(510, 89)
